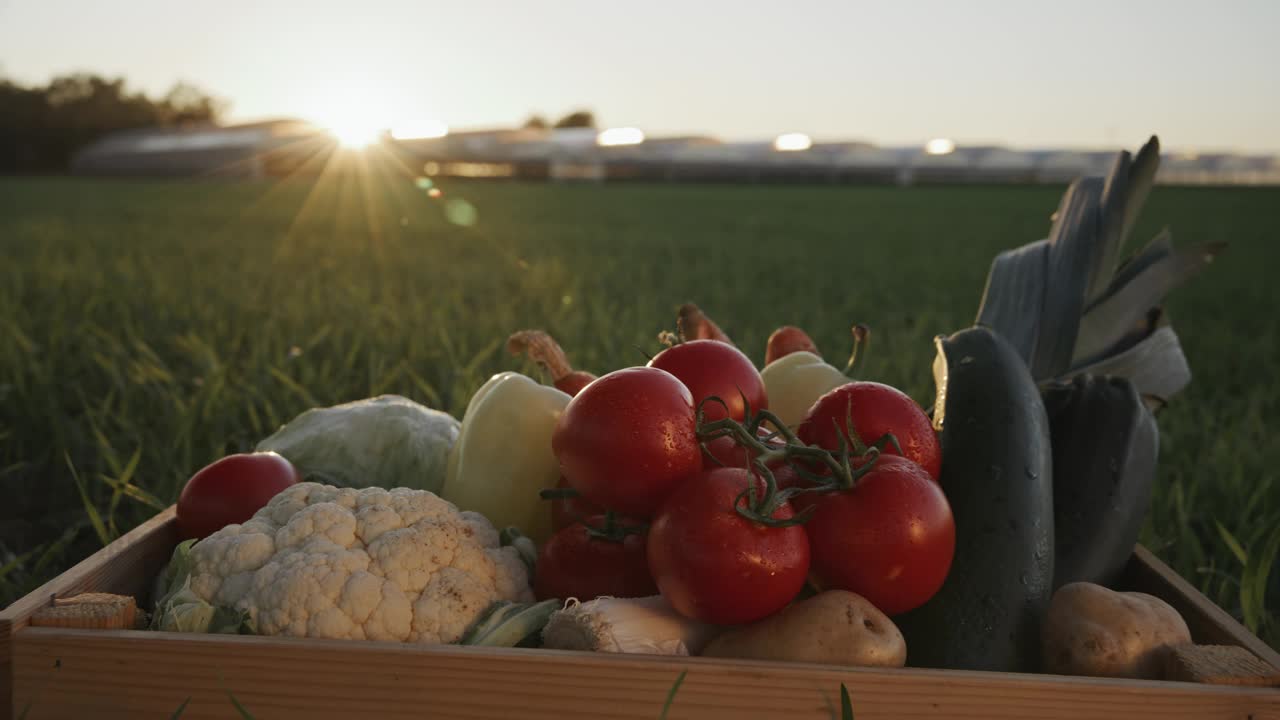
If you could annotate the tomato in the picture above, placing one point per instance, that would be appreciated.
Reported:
(876, 409)
(574, 563)
(785, 476)
(890, 538)
(713, 368)
(627, 439)
(567, 511)
(230, 491)
(725, 451)
(714, 565)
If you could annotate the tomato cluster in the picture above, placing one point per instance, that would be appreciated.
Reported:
(742, 513)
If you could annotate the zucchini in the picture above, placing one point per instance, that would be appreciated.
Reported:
(1105, 443)
(997, 474)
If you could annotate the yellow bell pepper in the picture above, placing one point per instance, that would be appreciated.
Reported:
(503, 454)
(795, 381)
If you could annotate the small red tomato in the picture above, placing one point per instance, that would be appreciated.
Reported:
(567, 511)
(713, 368)
(890, 538)
(715, 565)
(725, 451)
(574, 563)
(627, 439)
(876, 409)
(230, 491)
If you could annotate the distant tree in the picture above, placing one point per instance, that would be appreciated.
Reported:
(42, 127)
(576, 119)
(186, 104)
(535, 122)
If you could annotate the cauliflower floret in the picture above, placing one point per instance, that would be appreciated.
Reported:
(321, 561)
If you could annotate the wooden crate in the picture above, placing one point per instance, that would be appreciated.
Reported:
(60, 673)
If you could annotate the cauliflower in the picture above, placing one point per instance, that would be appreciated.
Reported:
(321, 561)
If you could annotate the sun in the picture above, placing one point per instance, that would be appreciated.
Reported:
(355, 133)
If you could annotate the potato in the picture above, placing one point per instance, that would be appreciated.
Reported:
(1091, 630)
(835, 627)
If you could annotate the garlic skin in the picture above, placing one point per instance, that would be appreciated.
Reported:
(646, 625)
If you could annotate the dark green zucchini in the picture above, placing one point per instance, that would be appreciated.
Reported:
(997, 474)
(1105, 443)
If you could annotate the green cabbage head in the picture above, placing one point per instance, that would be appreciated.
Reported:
(387, 441)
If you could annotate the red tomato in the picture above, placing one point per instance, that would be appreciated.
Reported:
(726, 452)
(230, 491)
(876, 409)
(567, 511)
(785, 476)
(716, 566)
(710, 367)
(627, 439)
(574, 563)
(890, 538)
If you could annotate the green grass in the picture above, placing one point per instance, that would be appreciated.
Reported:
(147, 328)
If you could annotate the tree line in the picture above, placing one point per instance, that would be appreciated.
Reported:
(41, 127)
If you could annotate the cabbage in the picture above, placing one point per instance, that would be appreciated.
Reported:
(388, 441)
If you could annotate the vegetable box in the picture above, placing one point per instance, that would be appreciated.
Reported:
(48, 672)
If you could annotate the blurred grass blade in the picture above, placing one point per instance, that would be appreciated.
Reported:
(181, 709)
(244, 713)
(846, 705)
(95, 518)
(671, 694)
(16, 562)
(54, 552)
(136, 493)
(1014, 296)
(293, 385)
(1253, 582)
(1232, 544)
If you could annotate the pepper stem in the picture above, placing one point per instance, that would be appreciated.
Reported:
(695, 325)
(542, 349)
(861, 334)
(612, 530)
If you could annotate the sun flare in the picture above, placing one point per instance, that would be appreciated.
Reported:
(355, 134)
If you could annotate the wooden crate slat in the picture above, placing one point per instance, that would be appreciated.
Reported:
(1209, 624)
(78, 673)
(127, 567)
(131, 674)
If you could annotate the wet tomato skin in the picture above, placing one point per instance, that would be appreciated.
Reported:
(876, 409)
(627, 439)
(714, 565)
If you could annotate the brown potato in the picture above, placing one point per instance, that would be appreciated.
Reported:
(1090, 630)
(835, 627)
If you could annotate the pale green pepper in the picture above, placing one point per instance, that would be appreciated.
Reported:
(794, 382)
(503, 457)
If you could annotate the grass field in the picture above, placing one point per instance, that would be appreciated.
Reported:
(147, 328)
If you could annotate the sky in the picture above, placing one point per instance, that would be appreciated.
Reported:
(1202, 75)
